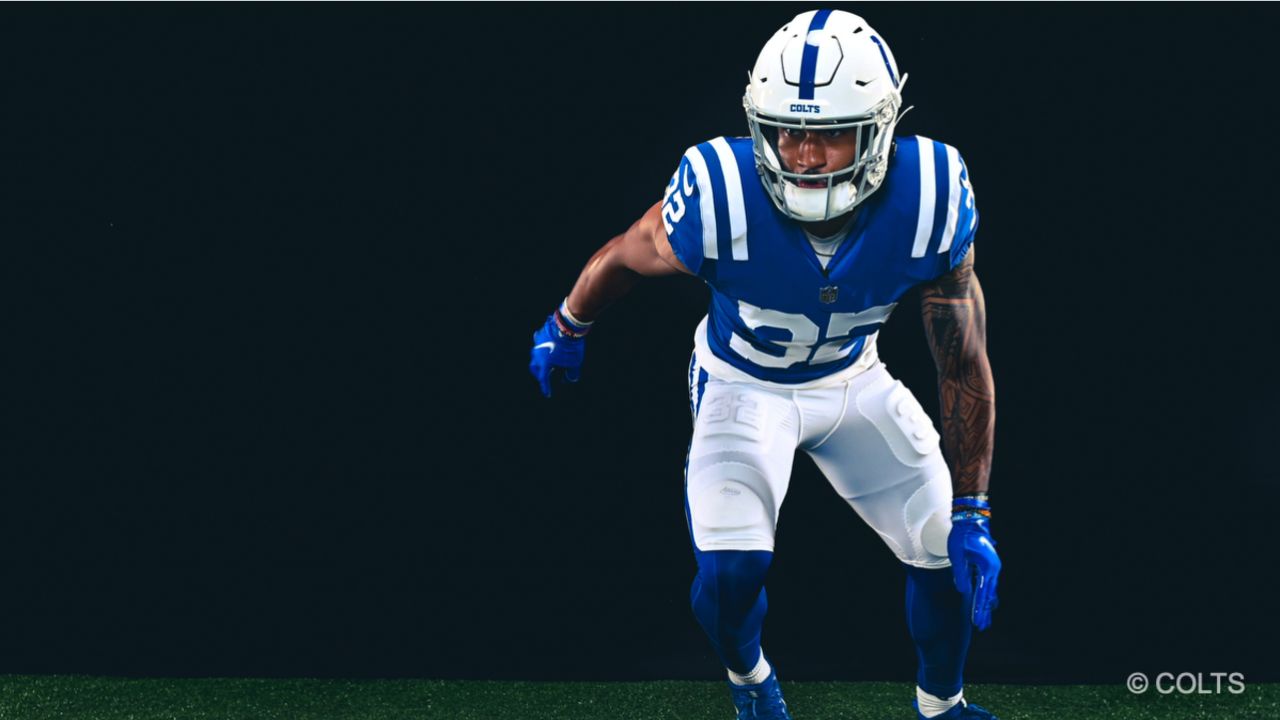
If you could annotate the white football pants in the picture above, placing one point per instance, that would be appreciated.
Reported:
(868, 435)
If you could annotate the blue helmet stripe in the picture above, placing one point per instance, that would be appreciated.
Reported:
(885, 56)
(809, 61)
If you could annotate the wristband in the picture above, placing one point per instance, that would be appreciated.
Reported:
(569, 325)
(968, 507)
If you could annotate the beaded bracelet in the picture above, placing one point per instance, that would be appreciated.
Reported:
(967, 507)
(569, 325)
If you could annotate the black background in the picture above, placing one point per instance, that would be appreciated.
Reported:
(271, 274)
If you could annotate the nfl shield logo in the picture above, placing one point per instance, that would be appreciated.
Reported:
(828, 294)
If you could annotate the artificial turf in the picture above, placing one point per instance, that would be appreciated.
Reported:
(100, 698)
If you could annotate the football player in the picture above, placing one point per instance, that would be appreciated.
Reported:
(808, 233)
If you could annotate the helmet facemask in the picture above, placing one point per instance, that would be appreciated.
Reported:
(841, 190)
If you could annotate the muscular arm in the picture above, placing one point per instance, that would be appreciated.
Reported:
(642, 251)
(955, 321)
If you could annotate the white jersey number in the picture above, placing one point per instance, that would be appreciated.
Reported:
(673, 204)
(803, 346)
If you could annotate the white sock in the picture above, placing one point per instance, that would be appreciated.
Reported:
(931, 705)
(758, 674)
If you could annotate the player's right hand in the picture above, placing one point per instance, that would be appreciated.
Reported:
(552, 350)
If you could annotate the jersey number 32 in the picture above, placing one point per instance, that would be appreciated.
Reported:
(803, 346)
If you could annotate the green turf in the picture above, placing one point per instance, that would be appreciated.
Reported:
(77, 698)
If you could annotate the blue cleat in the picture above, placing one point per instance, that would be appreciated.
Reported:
(962, 711)
(760, 702)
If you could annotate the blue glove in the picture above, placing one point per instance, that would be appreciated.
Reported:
(975, 565)
(554, 348)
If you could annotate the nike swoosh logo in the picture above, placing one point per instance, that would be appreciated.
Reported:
(550, 345)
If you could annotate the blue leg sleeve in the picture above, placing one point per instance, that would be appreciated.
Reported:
(729, 601)
(938, 619)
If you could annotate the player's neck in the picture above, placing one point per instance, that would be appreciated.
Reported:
(829, 228)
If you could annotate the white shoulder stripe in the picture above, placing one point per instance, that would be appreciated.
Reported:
(706, 203)
(733, 193)
(928, 191)
(953, 198)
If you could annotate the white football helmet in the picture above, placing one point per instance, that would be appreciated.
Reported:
(826, 69)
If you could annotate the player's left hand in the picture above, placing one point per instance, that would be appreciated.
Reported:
(552, 350)
(974, 562)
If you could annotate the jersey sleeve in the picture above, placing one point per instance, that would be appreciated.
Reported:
(966, 226)
(684, 204)
(946, 216)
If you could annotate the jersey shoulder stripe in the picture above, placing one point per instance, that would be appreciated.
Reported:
(694, 162)
(733, 195)
(928, 190)
(946, 216)
(953, 197)
(710, 176)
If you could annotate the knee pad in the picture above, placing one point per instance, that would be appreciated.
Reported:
(934, 534)
(731, 505)
(928, 523)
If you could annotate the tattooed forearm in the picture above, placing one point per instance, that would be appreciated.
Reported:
(955, 323)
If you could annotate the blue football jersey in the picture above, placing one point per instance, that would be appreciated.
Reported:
(775, 313)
